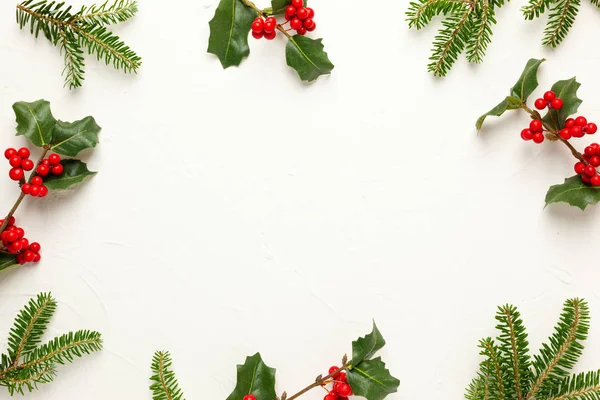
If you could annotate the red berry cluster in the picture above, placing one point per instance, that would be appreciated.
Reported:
(300, 17)
(577, 128)
(50, 165)
(550, 101)
(13, 241)
(535, 132)
(588, 171)
(341, 390)
(19, 161)
(264, 28)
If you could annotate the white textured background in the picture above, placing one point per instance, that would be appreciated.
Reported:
(240, 211)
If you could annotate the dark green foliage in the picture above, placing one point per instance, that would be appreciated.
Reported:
(508, 372)
(164, 383)
(561, 18)
(85, 29)
(28, 364)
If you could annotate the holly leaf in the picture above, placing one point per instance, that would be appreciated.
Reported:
(74, 173)
(254, 377)
(574, 192)
(307, 57)
(528, 82)
(279, 6)
(7, 261)
(567, 91)
(72, 137)
(35, 121)
(229, 31)
(371, 379)
(509, 103)
(365, 347)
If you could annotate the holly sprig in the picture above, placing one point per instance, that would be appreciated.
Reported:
(50, 172)
(364, 375)
(509, 372)
(556, 126)
(72, 32)
(28, 363)
(235, 19)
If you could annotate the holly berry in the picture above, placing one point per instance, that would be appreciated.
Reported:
(16, 161)
(589, 171)
(311, 12)
(302, 31)
(576, 131)
(332, 369)
(302, 13)
(595, 161)
(35, 247)
(257, 35)
(557, 104)
(24, 153)
(16, 174)
(296, 24)
(249, 397)
(27, 165)
(37, 181)
(42, 170)
(565, 133)
(26, 188)
(58, 168)
(270, 24)
(258, 25)
(538, 137)
(569, 123)
(591, 128)
(540, 104)
(549, 95)
(581, 121)
(536, 125)
(590, 151)
(35, 191)
(330, 396)
(10, 153)
(343, 389)
(43, 191)
(270, 36)
(297, 3)
(526, 134)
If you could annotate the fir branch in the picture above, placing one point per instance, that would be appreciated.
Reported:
(105, 14)
(493, 367)
(29, 378)
(535, 8)
(165, 386)
(421, 13)
(74, 61)
(450, 42)
(483, 19)
(479, 388)
(560, 21)
(585, 386)
(65, 348)
(106, 45)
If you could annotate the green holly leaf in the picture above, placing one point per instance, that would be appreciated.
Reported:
(254, 377)
(279, 6)
(365, 347)
(35, 121)
(72, 137)
(372, 380)
(74, 173)
(574, 192)
(528, 82)
(567, 91)
(509, 103)
(307, 57)
(229, 31)
(7, 261)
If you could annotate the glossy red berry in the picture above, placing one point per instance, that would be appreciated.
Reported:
(540, 104)
(37, 258)
(595, 161)
(569, 123)
(576, 131)
(302, 13)
(58, 168)
(342, 377)
(557, 104)
(24, 243)
(43, 191)
(270, 24)
(29, 256)
(20, 233)
(302, 31)
(257, 26)
(589, 151)
(590, 171)
(308, 23)
(54, 159)
(297, 3)
(11, 221)
(26, 188)
(579, 168)
(15, 161)
(332, 369)
(565, 133)
(24, 153)
(257, 35)
(591, 128)
(35, 247)
(343, 389)
(35, 191)
(10, 153)
(270, 35)
(526, 134)
(313, 27)
(43, 170)
(538, 137)
(296, 24)
(27, 165)
(330, 396)
(549, 95)
(311, 12)
(46, 162)
(37, 181)
(16, 174)
(536, 125)
(249, 397)
(11, 236)
(581, 121)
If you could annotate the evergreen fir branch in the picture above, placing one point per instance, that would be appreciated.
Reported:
(584, 386)
(74, 61)
(483, 19)
(479, 388)
(165, 386)
(29, 378)
(65, 348)
(105, 14)
(557, 358)
(106, 45)
(29, 326)
(595, 2)
(514, 348)
(422, 12)
(560, 21)
(535, 8)
(494, 367)
(450, 42)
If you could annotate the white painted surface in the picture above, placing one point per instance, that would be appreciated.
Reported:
(240, 211)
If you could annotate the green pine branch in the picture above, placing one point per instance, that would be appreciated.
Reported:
(165, 385)
(28, 364)
(561, 19)
(585, 386)
(494, 366)
(479, 388)
(86, 28)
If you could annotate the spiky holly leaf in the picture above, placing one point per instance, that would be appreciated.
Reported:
(35, 121)
(229, 31)
(528, 82)
(365, 347)
(307, 57)
(7, 261)
(567, 91)
(574, 192)
(75, 172)
(70, 138)
(254, 377)
(509, 103)
(372, 380)
(279, 6)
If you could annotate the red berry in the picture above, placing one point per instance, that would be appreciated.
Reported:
(270, 36)
(313, 27)
(569, 123)
(10, 153)
(540, 104)
(302, 13)
(342, 377)
(536, 125)
(311, 12)
(330, 396)
(11, 221)
(24, 243)
(579, 168)
(590, 171)
(595, 161)
(15, 161)
(590, 151)
(270, 24)
(58, 168)
(565, 133)
(297, 3)
(538, 137)
(35, 191)
(595, 181)
(26, 188)
(11, 237)
(37, 181)
(249, 397)
(549, 95)
(28, 256)
(35, 247)
(16, 174)
(14, 248)
(46, 162)
(43, 191)
(591, 128)
(576, 131)
(556, 104)
(43, 170)
(526, 134)
(290, 10)
(24, 153)
(343, 389)
(296, 24)
(581, 121)
(301, 31)
(257, 26)
(27, 165)
(37, 258)
(332, 369)
(20, 233)
(20, 259)
(257, 35)
(308, 23)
